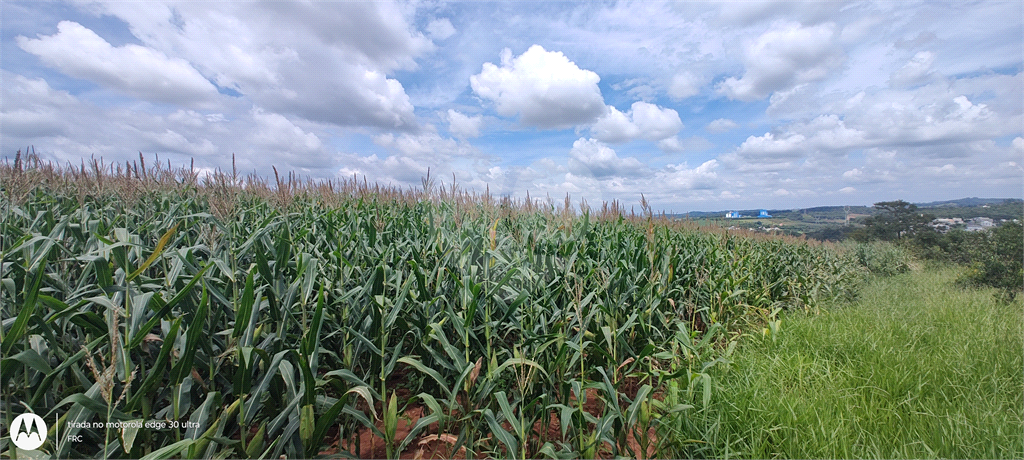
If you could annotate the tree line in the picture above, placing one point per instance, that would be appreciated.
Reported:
(994, 257)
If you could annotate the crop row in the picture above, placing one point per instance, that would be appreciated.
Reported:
(330, 323)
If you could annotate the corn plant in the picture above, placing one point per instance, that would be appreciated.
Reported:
(299, 318)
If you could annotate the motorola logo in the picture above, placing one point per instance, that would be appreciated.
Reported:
(28, 431)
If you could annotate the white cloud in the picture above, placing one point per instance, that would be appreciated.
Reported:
(826, 135)
(770, 144)
(671, 144)
(392, 170)
(325, 62)
(783, 58)
(946, 169)
(176, 142)
(615, 127)
(31, 108)
(884, 97)
(464, 126)
(275, 130)
(590, 157)
(544, 87)
(720, 125)
(806, 11)
(679, 177)
(412, 155)
(853, 173)
(642, 121)
(440, 29)
(830, 133)
(915, 72)
(684, 85)
(655, 122)
(136, 70)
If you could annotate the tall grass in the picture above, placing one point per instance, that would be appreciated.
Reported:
(301, 317)
(916, 368)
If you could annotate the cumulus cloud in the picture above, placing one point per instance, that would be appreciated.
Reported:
(684, 85)
(327, 63)
(136, 70)
(590, 157)
(892, 117)
(32, 108)
(274, 130)
(783, 58)
(410, 158)
(825, 135)
(769, 143)
(679, 176)
(464, 126)
(720, 125)
(671, 144)
(615, 127)
(68, 128)
(642, 121)
(174, 141)
(544, 88)
(938, 120)
(440, 29)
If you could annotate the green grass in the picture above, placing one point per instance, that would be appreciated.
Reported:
(916, 368)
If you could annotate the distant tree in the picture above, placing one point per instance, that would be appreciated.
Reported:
(898, 220)
(832, 233)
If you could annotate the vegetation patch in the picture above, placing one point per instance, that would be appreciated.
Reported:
(300, 318)
(916, 368)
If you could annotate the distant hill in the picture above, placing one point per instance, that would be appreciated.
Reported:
(982, 207)
(964, 202)
(997, 208)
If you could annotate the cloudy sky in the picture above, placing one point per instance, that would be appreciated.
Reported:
(699, 106)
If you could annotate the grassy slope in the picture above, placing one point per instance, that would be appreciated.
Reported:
(915, 368)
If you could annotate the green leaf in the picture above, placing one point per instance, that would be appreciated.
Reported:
(307, 424)
(323, 423)
(155, 373)
(426, 370)
(137, 339)
(169, 451)
(633, 410)
(244, 307)
(195, 333)
(27, 309)
(505, 437)
(506, 409)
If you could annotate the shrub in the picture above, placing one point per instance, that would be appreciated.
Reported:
(882, 258)
(997, 259)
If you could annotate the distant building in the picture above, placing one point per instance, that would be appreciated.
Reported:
(764, 214)
(978, 224)
(945, 225)
(733, 215)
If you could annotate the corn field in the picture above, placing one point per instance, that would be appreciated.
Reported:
(346, 319)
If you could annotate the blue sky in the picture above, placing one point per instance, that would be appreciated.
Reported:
(698, 106)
